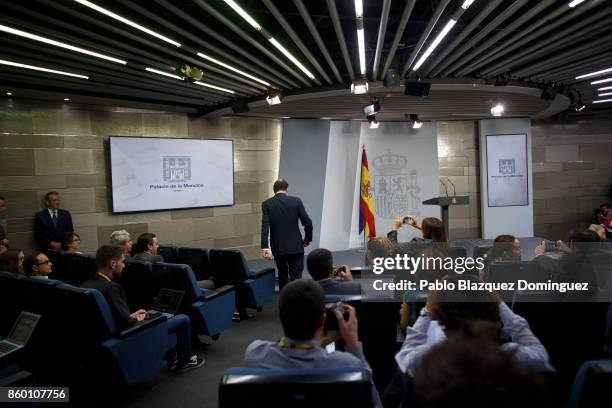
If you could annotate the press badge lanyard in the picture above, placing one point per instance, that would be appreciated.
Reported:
(298, 346)
(103, 276)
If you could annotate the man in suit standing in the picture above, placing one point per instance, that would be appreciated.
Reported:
(52, 224)
(279, 222)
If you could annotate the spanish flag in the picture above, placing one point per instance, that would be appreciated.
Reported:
(366, 209)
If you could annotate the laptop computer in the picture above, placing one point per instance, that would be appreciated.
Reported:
(20, 333)
(166, 303)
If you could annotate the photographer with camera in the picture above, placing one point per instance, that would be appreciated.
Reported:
(303, 317)
(334, 281)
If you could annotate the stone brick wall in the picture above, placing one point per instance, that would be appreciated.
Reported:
(459, 161)
(47, 147)
(572, 172)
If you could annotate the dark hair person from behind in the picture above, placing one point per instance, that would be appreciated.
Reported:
(146, 248)
(431, 228)
(302, 314)
(280, 232)
(320, 264)
(495, 378)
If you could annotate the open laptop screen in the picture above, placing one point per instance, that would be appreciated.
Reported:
(168, 300)
(23, 328)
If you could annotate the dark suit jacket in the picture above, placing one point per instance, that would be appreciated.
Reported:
(45, 232)
(280, 215)
(147, 257)
(115, 297)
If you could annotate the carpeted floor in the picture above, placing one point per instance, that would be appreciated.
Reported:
(197, 388)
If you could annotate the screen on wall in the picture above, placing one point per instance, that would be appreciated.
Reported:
(150, 174)
(507, 172)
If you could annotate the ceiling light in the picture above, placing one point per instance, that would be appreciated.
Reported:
(66, 99)
(603, 100)
(58, 44)
(128, 22)
(416, 123)
(605, 94)
(361, 46)
(605, 88)
(291, 57)
(360, 36)
(466, 4)
(223, 64)
(359, 8)
(373, 122)
(434, 44)
(603, 71)
(601, 81)
(497, 110)
(9, 94)
(163, 73)
(574, 3)
(35, 68)
(243, 14)
(274, 99)
(359, 87)
(214, 87)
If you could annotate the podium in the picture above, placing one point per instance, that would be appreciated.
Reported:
(444, 203)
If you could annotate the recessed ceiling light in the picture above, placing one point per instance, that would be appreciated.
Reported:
(67, 99)
(36, 68)
(590, 74)
(214, 87)
(9, 94)
(128, 22)
(601, 81)
(49, 41)
(157, 71)
(223, 64)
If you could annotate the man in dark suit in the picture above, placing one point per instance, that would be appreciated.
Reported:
(279, 222)
(146, 248)
(52, 224)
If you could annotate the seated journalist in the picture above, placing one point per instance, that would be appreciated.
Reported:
(320, 264)
(110, 261)
(302, 315)
(146, 248)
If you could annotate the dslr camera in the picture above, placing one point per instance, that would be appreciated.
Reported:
(331, 322)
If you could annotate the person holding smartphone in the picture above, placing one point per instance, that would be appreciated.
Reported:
(431, 229)
(334, 281)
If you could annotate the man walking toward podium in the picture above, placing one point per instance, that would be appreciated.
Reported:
(280, 232)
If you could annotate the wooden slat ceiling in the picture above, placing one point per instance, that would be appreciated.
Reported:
(524, 43)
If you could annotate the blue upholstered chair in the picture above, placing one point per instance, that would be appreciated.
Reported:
(592, 385)
(91, 343)
(255, 289)
(77, 268)
(197, 259)
(324, 387)
(168, 252)
(210, 311)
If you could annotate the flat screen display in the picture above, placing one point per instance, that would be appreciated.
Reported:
(151, 174)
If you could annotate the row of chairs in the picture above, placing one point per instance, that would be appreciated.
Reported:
(77, 340)
(350, 387)
(182, 269)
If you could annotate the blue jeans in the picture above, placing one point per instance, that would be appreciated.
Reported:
(180, 325)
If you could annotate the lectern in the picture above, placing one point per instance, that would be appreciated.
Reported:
(444, 203)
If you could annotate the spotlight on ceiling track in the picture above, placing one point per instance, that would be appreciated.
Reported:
(416, 123)
(579, 107)
(549, 93)
(416, 88)
(359, 86)
(9, 94)
(274, 99)
(373, 122)
(371, 109)
(66, 99)
(188, 72)
(497, 110)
